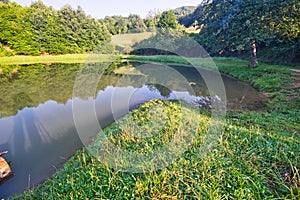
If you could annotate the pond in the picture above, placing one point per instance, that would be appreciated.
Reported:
(37, 127)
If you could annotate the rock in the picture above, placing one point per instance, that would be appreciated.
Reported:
(5, 170)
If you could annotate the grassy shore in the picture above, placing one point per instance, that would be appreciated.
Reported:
(69, 58)
(257, 155)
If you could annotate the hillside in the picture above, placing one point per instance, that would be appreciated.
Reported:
(183, 11)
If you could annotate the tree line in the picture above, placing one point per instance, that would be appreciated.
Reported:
(243, 27)
(135, 24)
(40, 29)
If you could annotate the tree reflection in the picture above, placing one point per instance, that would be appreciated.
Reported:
(164, 91)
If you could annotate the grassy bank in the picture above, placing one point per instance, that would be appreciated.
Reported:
(257, 155)
(69, 58)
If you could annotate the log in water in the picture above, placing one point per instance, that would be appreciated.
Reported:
(5, 170)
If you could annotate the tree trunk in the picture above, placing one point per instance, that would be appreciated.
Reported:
(253, 62)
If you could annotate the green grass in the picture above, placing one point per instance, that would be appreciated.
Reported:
(69, 58)
(257, 155)
(159, 59)
(129, 39)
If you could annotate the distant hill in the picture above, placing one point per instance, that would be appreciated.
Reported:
(189, 19)
(183, 11)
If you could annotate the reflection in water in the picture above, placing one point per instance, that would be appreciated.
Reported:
(37, 125)
(164, 91)
(38, 139)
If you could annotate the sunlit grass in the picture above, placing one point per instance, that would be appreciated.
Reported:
(248, 162)
(69, 58)
(129, 39)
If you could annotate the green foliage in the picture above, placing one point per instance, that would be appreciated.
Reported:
(72, 29)
(119, 25)
(40, 29)
(150, 24)
(168, 21)
(152, 20)
(136, 24)
(4, 52)
(231, 27)
(115, 24)
(15, 30)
